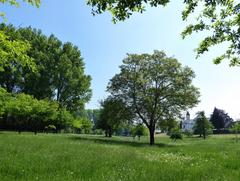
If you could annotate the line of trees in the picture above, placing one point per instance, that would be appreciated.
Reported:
(22, 112)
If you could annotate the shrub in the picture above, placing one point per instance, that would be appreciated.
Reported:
(175, 134)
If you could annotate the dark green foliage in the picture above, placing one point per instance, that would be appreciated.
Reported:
(202, 126)
(218, 17)
(217, 120)
(59, 70)
(113, 113)
(220, 119)
(155, 87)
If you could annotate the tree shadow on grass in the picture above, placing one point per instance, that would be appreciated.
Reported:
(112, 141)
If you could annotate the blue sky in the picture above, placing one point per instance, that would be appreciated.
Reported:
(104, 45)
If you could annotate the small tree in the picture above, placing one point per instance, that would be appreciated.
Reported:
(236, 130)
(202, 126)
(139, 130)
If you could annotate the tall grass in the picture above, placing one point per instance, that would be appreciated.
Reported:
(44, 157)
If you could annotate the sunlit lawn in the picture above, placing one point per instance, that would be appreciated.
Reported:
(74, 157)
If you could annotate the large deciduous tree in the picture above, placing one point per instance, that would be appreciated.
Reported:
(221, 18)
(155, 86)
(72, 85)
(59, 70)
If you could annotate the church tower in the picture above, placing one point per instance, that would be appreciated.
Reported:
(188, 116)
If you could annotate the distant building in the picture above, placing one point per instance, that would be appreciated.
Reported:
(187, 123)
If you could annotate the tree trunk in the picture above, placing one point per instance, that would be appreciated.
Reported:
(110, 133)
(151, 132)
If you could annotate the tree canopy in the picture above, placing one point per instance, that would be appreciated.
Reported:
(220, 18)
(59, 69)
(220, 119)
(113, 113)
(15, 49)
(155, 87)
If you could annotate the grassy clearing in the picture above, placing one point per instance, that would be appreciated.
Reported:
(72, 157)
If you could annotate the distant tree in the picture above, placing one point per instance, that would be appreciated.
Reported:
(113, 113)
(139, 130)
(218, 17)
(93, 115)
(86, 125)
(236, 129)
(167, 124)
(155, 87)
(202, 126)
(220, 119)
(217, 120)
(175, 134)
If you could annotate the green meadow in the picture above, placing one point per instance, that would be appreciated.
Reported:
(82, 157)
